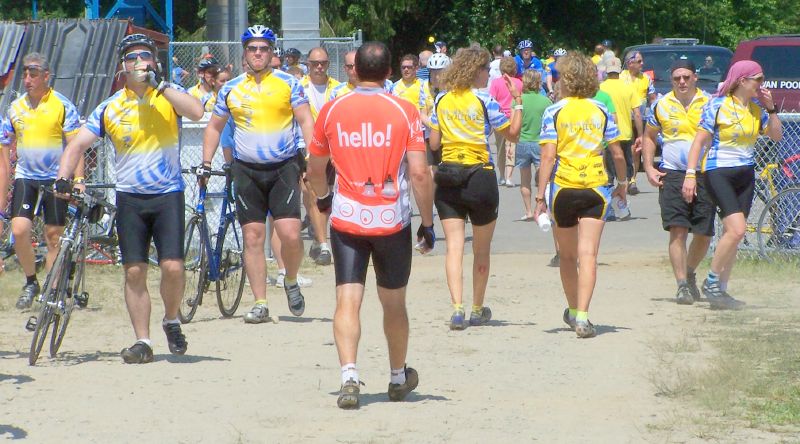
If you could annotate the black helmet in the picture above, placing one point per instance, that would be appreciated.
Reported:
(294, 52)
(207, 62)
(135, 40)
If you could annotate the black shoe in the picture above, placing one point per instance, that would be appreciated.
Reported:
(633, 189)
(691, 281)
(297, 303)
(719, 299)
(398, 392)
(29, 291)
(175, 339)
(138, 353)
(348, 395)
(684, 295)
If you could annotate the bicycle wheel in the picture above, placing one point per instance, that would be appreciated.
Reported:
(46, 313)
(231, 269)
(196, 266)
(779, 227)
(66, 300)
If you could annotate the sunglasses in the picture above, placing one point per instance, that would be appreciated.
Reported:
(315, 63)
(685, 78)
(407, 67)
(33, 71)
(258, 48)
(349, 66)
(144, 55)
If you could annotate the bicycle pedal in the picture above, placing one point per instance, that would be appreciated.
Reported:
(31, 324)
(82, 299)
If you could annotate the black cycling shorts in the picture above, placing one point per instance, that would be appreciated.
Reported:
(26, 197)
(479, 199)
(145, 217)
(391, 258)
(732, 189)
(697, 216)
(272, 188)
(572, 204)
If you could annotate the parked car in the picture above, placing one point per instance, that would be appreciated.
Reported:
(779, 56)
(711, 62)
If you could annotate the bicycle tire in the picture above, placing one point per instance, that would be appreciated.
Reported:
(778, 229)
(46, 312)
(68, 300)
(196, 269)
(230, 284)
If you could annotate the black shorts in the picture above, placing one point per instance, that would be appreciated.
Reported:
(697, 216)
(266, 188)
(479, 199)
(731, 189)
(391, 258)
(145, 217)
(572, 204)
(26, 197)
(434, 157)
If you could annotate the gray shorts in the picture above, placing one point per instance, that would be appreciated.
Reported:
(527, 153)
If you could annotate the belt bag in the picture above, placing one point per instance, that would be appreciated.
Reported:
(454, 175)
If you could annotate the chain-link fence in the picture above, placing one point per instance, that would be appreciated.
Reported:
(186, 56)
(773, 226)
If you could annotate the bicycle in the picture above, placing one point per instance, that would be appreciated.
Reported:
(779, 226)
(64, 286)
(207, 261)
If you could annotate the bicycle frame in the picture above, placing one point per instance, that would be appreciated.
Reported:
(214, 253)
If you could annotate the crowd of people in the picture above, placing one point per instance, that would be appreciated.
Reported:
(354, 153)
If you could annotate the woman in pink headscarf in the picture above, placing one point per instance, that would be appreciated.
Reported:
(729, 127)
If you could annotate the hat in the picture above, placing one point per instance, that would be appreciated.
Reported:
(614, 66)
(684, 63)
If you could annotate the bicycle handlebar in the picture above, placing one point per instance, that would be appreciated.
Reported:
(193, 171)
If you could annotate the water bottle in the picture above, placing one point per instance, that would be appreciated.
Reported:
(544, 222)
(621, 209)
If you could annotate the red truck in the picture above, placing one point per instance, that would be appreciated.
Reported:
(779, 56)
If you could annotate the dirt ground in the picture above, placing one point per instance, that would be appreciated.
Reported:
(524, 378)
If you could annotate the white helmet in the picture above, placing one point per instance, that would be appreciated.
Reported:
(438, 61)
(559, 52)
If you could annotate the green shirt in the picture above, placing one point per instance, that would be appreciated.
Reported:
(533, 106)
(605, 99)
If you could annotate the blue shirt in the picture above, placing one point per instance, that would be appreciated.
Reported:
(535, 63)
(423, 74)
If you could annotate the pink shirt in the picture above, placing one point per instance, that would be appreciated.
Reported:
(502, 95)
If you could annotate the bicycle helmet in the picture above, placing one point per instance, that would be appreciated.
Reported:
(135, 40)
(438, 61)
(559, 52)
(278, 52)
(258, 32)
(207, 62)
(293, 52)
(607, 43)
(525, 44)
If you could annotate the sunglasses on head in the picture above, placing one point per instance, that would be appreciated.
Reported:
(144, 55)
(257, 48)
(33, 71)
(315, 63)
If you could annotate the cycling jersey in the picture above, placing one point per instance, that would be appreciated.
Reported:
(307, 86)
(263, 115)
(208, 99)
(642, 84)
(735, 127)
(465, 119)
(578, 127)
(144, 132)
(367, 135)
(625, 100)
(678, 127)
(39, 133)
(303, 67)
(414, 92)
(226, 139)
(533, 63)
(553, 72)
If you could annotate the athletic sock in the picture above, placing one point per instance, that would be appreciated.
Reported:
(723, 286)
(458, 307)
(31, 280)
(349, 372)
(713, 278)
(573, 312)
(290, 282)
(282, 271)
(261, 302)
(682, 282)
(324, 246)
(582, 316)
(145, 341)
(171, 321)
(477, 308)
(398, 375)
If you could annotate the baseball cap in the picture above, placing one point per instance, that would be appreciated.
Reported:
(614, 66)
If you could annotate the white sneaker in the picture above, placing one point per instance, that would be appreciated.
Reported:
(302, 281)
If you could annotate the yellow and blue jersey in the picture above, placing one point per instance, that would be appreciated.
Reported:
(465, 119)
(414, 93)
(734, 127)
(642, 83)
(678, 126)
(207, 99)
(578, 128)
(329, 87)
(40, 133)
(145, 134)
(263, 116)
(346, 87)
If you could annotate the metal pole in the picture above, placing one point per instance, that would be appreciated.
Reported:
(35, 9)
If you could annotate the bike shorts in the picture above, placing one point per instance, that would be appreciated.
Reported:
(731, 189)
(391, 258)
(145, 217)
(479, 199)
(26, 196)
(697, 216)
(572, 204)
(272, 188)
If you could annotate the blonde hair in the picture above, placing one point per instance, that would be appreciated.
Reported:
(531, 80)
(577, 75)
(509, 66)
(466, 66)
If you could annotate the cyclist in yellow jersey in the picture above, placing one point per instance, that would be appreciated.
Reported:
(409, 86)
(142, 120)
(270, 110)
(204, 89)
(352, 79)
(573, 131)
(39, 122)
(730, 125)
(318, 86)
(646, 94)
(676, 117)
(218, 76)
(462, 119)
